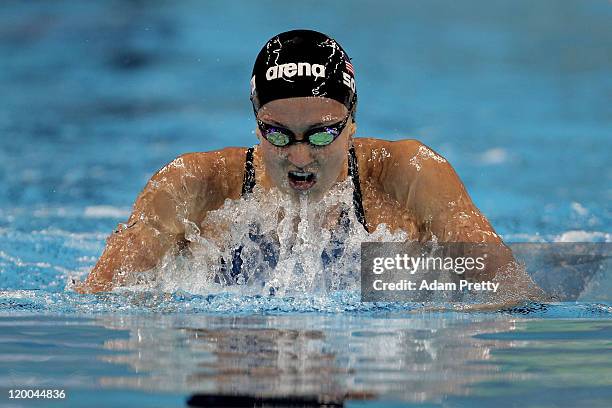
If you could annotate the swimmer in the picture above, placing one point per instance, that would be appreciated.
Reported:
(304, 97)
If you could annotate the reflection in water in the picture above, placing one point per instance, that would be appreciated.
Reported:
(415, 359)
(449, 358)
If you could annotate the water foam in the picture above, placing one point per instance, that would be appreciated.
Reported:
(286, 247)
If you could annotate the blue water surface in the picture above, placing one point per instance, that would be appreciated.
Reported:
(97, 96)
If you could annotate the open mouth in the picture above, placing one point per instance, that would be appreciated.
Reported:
(301, 180)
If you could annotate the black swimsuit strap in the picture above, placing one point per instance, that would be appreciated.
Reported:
(353, 170)
(248, 182)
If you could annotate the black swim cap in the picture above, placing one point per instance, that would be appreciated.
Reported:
(302, 63)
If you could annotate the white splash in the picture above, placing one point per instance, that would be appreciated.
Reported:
(287, 247)
(176, 163)
(423, 154)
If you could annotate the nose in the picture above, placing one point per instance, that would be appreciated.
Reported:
(300, 155)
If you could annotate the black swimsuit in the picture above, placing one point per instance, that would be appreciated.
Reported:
(268, 248)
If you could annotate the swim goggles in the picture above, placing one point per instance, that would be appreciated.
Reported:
(319, 137)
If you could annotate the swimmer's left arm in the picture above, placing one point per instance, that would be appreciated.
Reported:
(427, 186)
(438, 200)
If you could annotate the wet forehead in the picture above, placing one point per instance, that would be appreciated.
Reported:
(300, 113)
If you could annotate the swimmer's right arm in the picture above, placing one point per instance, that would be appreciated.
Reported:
(156, 225)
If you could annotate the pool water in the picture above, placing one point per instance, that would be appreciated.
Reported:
(399, 360)
(97, 97)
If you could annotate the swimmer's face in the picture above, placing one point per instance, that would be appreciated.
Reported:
(302, 168)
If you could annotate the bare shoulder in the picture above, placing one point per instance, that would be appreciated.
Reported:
(405, 151)
(367, 144)
(219, 171)
(193, 183)
(396, 165)
(203, 165)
